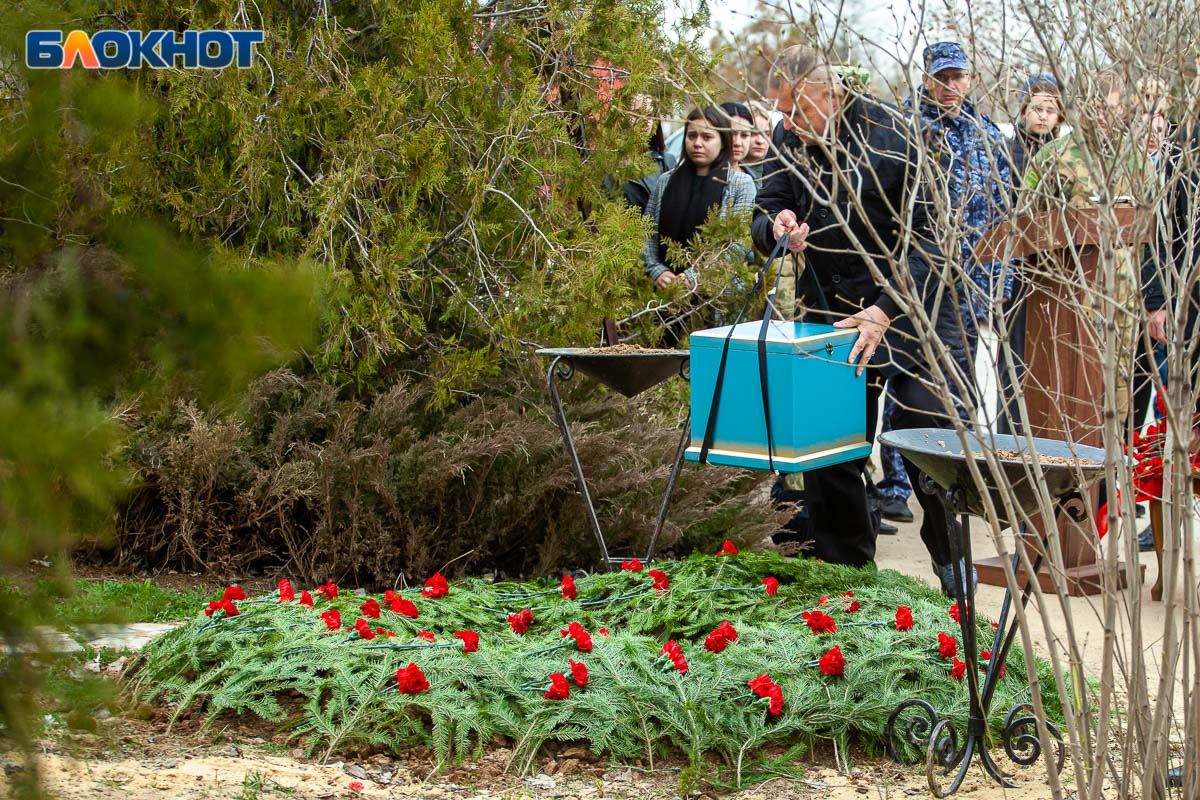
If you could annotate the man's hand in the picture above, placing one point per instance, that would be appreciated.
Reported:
(1156, 322)
(872, 323)
(785, 222)
(664, 280)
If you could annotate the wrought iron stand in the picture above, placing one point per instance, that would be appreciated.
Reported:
(916, 722)
(630, 374)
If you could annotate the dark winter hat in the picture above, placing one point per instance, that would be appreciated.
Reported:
(945, 55)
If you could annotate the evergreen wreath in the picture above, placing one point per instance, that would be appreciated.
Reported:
(714, 657)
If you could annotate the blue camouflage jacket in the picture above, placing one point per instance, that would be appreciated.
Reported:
(981, 186)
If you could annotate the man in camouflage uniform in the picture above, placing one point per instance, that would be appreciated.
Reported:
(1059, 176)
(980, 181)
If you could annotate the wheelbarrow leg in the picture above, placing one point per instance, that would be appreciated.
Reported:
(684, 439)
(560, 370)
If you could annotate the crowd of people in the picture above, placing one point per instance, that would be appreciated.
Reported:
(872, 229)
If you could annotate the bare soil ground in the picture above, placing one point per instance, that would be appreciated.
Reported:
(133, 759)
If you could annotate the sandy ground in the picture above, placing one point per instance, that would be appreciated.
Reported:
(203, 772)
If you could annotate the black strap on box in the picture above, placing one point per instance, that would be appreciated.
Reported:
(710, 428)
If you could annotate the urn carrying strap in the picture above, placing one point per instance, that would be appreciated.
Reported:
(777, 254)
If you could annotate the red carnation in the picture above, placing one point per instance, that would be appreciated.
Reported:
(427, 636)
(306, 598)
(286, 593)
(631, 565)
(947, 646)
(579, 672)
(824, 599)
(775, 698)
(582, 640)
(720, 638)
(436, 586)
(404, 607)
(986, 656)
(233, 593)
(715, 642)
(356, 786)
(332, 618)
(411, 680)
(521, 621)
(849, 604)
(760, 684)
(763, 686)
(728, 549)
(833, 663)
(603, 631)
(568, 587)
(226, 606)
(370, 608)
(958, 670)
(772, 585)
(675, 654)
(559, 688)
(819, 622)
(954, 615)
(328, 591)
(904, 619)
(470, 640)
(364, 629)
(382, 632)
(660, 580)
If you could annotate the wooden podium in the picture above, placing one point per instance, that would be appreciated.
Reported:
(1063, 383)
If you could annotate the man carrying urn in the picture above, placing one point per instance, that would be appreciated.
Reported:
(844, 184)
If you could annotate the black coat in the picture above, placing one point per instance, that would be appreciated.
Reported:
(1179, 221)
(1024, 146)
(890, 225)
(1178, 231)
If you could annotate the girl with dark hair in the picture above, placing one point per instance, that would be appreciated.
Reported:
(703, 179)
(1038, 121)
(741, 129)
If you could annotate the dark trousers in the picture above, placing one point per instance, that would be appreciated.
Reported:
(1145, 365)
(836, 496)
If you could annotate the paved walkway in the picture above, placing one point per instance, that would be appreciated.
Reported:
(101, 637)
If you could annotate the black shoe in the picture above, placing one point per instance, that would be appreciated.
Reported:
(887, 529)
(896, 510)
(1146, 540)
